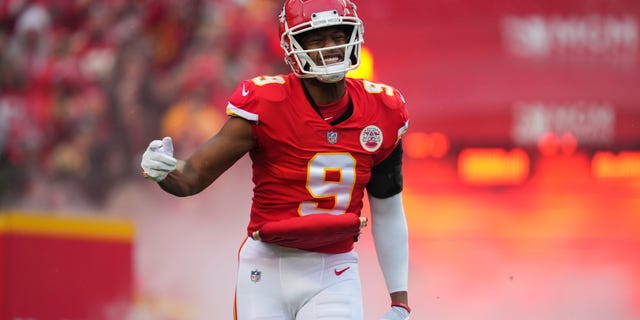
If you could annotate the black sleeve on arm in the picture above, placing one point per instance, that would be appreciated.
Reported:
(386, 177)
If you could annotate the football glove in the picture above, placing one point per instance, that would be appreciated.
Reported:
(158, 160)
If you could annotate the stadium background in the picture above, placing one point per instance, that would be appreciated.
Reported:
(522, 161)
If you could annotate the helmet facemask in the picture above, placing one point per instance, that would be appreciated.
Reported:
(326, 71)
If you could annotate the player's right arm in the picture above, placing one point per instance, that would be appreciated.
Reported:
(206, 164)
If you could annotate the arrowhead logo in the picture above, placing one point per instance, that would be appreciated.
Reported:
(339, 272)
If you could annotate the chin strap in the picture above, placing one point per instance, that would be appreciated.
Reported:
(330, 74)
(330, 78)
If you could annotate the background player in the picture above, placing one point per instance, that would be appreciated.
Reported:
(317, 140)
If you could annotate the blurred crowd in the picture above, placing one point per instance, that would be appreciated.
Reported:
(86, 85)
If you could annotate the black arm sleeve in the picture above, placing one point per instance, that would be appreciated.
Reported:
(386, 177)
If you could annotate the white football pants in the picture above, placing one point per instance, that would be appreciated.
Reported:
(279, 283)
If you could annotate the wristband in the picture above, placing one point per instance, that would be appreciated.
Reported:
(401, 305)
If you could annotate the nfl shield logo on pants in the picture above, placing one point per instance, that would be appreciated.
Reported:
(255, 275)
(332, 137)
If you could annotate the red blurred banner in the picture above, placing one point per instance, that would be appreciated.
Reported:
(56, 267)
(503, 73)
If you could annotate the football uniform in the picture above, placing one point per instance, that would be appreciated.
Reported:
(304, 165)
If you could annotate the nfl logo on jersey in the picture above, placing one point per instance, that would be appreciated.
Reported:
(255, 275)
(332, 137)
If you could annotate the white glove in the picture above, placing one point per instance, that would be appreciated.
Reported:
(158, 160)
(396, 313)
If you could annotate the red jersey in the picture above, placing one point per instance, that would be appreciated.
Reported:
(302, 164)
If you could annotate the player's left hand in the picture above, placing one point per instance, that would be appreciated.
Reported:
(396, 313)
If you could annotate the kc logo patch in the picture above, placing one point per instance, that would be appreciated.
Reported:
(255, 275)
(371, 138)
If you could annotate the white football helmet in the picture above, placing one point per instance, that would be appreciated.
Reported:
(300, 16)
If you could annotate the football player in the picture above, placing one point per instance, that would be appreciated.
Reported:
(317, 141)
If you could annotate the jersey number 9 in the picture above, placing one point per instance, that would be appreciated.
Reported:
(330, 175)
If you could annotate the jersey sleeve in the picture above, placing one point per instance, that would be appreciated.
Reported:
(395, 118)
(386, 176)
(397, 106)
(243, 103)
(253, 94)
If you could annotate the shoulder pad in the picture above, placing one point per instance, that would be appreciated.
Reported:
(390, 96)
(270, 88)
(246, 100)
